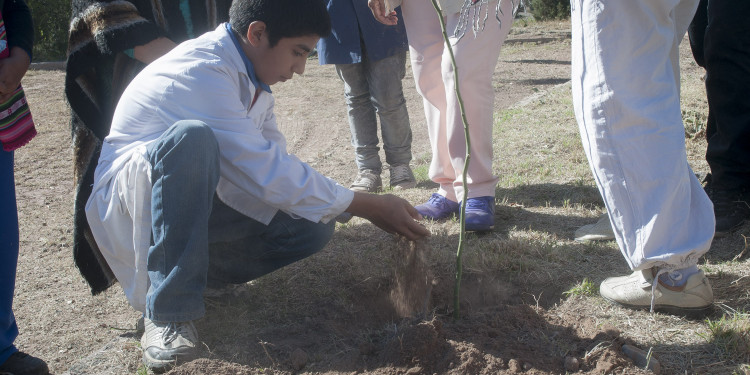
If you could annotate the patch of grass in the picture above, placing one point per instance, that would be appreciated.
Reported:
(730, 335)
(584, 288)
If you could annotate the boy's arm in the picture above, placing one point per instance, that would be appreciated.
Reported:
(389, 212)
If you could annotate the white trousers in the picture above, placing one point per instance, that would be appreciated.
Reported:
(626, 95)
(476, 58)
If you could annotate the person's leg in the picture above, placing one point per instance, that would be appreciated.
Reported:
(727, 62)
(476, 57)
(384, 78)
(363, 126)
(243, 249)
(697, 32)
(8, 255)
(629, 120)
(185, 172)
(426, 48)
(11, 360)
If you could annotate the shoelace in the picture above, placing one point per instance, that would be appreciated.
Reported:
(172, 331)
(438, 200)
(476, 203)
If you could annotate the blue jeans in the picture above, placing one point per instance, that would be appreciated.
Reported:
(374, 87)
(8, 255)
(196, 236)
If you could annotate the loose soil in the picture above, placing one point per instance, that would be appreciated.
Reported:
(370, 303)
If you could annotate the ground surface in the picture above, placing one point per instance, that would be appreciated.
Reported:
(370, 303)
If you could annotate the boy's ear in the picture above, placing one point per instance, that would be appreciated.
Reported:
(255, 32)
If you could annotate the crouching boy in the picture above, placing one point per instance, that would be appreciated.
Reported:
(194, 184)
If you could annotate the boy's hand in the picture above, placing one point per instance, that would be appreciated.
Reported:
(378, 11)
(390, 213)
(12, 69)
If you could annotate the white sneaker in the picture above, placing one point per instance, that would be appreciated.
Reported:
(636, 291)
(402, 177)
(600, 231)
(164, 344)
(367, 181)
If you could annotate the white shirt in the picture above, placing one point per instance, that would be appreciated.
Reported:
(201, 79)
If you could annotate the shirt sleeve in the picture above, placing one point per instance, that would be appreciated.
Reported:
(19, 25)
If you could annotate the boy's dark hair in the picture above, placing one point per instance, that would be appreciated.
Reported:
(283, 18)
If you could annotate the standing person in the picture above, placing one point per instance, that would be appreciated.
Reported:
(626, 96)
(721, 44)
(194, 183)
(476, 51)
(16, 42)
(109, 43)
(371, 60)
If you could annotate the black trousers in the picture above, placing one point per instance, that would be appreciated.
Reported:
(720, 41)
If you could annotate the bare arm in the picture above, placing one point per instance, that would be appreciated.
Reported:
(390, 213)
(12, 69)
(378, 11)
(153, 50)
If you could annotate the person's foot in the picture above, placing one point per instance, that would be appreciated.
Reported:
(694, 298)
(402, 177)
(731, 207)
(480, 214)
(437, 207)
(599, 231)
(164, 344)
(367, 181)
(20, 363)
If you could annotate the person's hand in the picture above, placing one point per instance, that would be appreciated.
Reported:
(390, 213)
(378, 11)
(12, 69)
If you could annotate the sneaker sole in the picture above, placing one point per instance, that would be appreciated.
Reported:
(162, 366)
(688, 312)
(479, 229)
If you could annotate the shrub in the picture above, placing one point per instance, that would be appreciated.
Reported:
(550, 9)
(51, 19)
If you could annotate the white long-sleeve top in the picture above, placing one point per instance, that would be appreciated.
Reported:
(206, 79)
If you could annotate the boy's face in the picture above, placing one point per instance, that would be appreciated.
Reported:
(280, 62)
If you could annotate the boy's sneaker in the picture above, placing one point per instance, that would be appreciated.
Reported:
(164, 344)
(367, 181)
(437, 208)
(694, 299)
(731, 208)
(20, 363)
(402, 177)
(599, 231)
(480, 214)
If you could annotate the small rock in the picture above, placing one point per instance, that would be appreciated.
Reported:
(299, 359)
(640, 358)
(416, 370)
(572, 364)
(527, 366)
(514, 365)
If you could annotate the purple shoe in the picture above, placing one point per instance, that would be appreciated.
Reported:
(480, 214)
(437, 207)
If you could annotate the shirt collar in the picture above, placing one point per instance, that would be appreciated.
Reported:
(248, 65)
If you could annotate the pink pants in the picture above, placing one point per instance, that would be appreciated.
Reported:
(476, 58)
